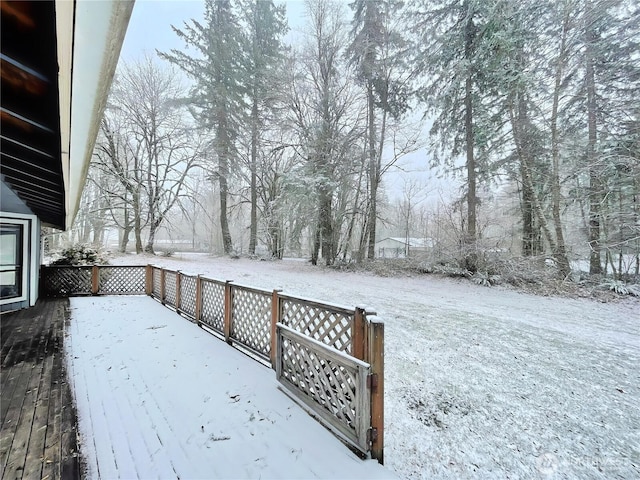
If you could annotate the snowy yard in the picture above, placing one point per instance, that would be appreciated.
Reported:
(482, 382)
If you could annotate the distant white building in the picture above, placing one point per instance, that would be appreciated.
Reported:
(401, 247)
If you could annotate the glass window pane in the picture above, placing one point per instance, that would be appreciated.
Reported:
(10, 244)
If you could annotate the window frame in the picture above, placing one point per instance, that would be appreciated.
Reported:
(26, 228)
(16, 266)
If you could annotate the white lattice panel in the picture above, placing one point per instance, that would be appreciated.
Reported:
(170, 288)
(251, 319)
(122, 280)
(63, 281)
(213, 305)
(331, 383)
(157, 281)
(332, 327)
(188, 294)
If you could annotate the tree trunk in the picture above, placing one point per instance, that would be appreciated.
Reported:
(595, 186)
(316, 247)
(364, 232)
(124, 240)
(326, 226)
(352, 220)
(561, 250)
(253, 229)
(374, 174)
(223, 173)
(149, 248)
(523, 151)
(137, 224)
(471, 259)
(528, 219)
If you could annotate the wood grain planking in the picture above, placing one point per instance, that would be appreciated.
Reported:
(12, 417)
(69, 456)
(52, 445)
(24, 351)
(18, 452)
(35, 450)
(22, 338)
(33, 386)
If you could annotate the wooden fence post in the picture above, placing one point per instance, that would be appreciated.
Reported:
(367, 326)
(163, 289)
(357, 334)
(148, 280)
(275, 318)
(376, 359)
(178, 296)
(95, 280)
(228, 307)
(198, 309)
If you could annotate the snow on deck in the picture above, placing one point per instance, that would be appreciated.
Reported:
(158, 397)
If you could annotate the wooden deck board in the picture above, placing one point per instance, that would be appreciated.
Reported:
(35, 448)
(38, 434)
(52, 448)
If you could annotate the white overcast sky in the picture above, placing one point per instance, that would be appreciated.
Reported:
(150, 25)
(150, 30)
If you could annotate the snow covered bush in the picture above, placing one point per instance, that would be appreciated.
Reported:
(450, 271)
(621, 288)
(485, 279)
(80, 255)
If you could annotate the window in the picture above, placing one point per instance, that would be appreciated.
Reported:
(11, 253)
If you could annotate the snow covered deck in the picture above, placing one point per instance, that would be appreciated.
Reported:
(158, 397)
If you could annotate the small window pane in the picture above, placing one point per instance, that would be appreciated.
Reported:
(8, 248)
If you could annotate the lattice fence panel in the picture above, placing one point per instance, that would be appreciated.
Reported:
(188, 295)
(334, 387)
(122, 280)
(157, 282)
(213, 305)
(64, 281)
(170, 288)
(251, 319)
(332, 327)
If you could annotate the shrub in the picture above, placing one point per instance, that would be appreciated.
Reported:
(485, 279)
(80, 255)
(620, 287)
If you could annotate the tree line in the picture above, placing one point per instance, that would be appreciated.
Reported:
(292, 140)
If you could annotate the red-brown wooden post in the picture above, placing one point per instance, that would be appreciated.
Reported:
(198, 309)
(163, 289)
(178, 296)
(95, 280)
(357, 334)
(376, 359)
(275, 318)
(228, 307)
(148, 280)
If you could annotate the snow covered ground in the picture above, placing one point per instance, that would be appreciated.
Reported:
(159, 397)
(483, 382)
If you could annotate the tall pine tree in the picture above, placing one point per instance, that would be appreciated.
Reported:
(219, 92)
(374, 50)
(265, 25)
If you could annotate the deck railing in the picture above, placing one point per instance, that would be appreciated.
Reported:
(327, 356)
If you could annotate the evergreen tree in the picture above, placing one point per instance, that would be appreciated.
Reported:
(218, 96)
(453, 52)
(265, 25)
(374, 51)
